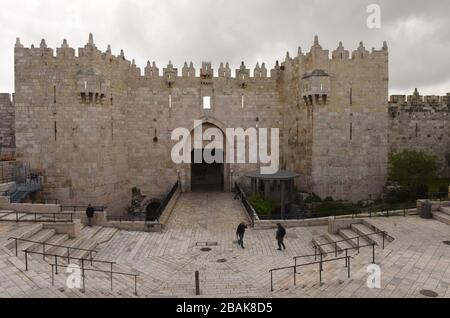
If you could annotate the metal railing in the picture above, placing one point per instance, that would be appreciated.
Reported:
(165, 202)
(83, 275)
(318, 254)
(38, 217)
(81, 208)
(247, 205)
(358, 238)
(320, 263)
(121, 219)
(144, 218)
(92, 261)
(45, 245)
(440, 196)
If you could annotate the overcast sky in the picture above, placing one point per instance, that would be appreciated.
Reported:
(417, 32)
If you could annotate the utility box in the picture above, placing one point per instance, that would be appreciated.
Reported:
(425, 210)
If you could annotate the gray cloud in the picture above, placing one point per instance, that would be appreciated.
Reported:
(418, 32)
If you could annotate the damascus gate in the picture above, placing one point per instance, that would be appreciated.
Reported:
(96, 126)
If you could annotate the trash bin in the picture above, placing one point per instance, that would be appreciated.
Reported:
(425, 210)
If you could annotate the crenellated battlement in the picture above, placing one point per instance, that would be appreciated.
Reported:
(91, 54)
(417, 103)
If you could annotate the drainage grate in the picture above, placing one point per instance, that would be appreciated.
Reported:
(223, 260)
(429, 293)
(446, 242)
(206, 249)
(206, 244)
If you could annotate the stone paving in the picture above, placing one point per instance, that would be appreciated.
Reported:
(417, 259)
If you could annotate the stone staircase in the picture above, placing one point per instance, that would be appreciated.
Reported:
(443, 215)
(357, 234)
(39, 277)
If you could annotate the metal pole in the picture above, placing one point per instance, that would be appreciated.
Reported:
(26, 260)
(56, 264)
(271, 281)
(295, 272)
(17, 247)
(315, 252)
(349, 267)
(357, 239)
(321, 262)
(111, 276)
(92, 261)
(346, 257)
(320, 273)
(384, 233)
(82, 273)
(335, 249)
(53, 276)
(373, 253)
(135, 285)
(197, 283)
(43, 251)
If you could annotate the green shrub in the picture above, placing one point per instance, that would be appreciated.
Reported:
(414, 170)
(261, 205)
(313, 198)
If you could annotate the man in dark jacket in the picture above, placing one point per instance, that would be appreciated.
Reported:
(240, 234)
(281, 233)
(90, 214)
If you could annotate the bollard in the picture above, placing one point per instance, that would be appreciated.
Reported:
(197, 283)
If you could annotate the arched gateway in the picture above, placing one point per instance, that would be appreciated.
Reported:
(203, 176)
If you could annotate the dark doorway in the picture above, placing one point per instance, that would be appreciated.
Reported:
(207, 177)
(152, 211)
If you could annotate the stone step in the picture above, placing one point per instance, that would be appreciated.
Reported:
(326, 249)
(361, 229)
(375, 228)
(445, 210)
(26, 235)
(350, 235)
(5, 213)
(442, 217)
(105, 235)
(56, 239)
(42, 236)
(336, 238)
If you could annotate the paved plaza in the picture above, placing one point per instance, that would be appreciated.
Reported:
(166, 262)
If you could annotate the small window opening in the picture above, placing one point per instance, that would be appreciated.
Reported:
(206, 102)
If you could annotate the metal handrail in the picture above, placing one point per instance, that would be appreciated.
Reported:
(53, 217)
(320, 263)
(384, 233)
(44, 244)
(55, 256)
(247, 205)
(121, 219)
(81, 208)
(83, 270)
(165, 202)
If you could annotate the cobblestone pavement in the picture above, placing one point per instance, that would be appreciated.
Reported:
(416, 260)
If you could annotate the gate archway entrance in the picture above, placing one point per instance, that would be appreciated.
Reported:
(207, 176)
